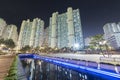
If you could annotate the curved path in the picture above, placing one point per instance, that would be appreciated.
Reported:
(5, 63)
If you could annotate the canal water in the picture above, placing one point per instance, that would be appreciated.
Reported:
(41, 70)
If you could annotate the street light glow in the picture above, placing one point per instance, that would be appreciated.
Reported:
(76, 45)
(102, 42)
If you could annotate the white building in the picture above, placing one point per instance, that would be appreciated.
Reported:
(65, 30)
(46, 36)
(31, 33)
(10, 32)
(2, 26)
(112, 34)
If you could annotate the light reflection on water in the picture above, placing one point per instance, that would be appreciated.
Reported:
(47, 71)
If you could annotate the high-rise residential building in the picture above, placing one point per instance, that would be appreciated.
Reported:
(31, 33)
(10, 32)
(112, 34)
(46, 36)
(2, 26)
(65, 30)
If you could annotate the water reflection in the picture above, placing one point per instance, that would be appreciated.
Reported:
(40, 70)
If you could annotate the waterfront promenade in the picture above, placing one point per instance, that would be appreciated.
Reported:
(5, 63)
(107, 72)
(112, 59)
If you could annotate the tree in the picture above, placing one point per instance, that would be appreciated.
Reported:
(26, 48)
(98, 42)
(94, 44)
(37, 49)
(9, 43)
(95, 40)
(2, 41)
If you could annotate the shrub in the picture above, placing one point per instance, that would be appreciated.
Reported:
(12, 74)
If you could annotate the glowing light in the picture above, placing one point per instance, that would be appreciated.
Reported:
(105, 74)
(76, 45)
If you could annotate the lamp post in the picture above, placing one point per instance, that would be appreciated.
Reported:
(103, 43)
(100, 44)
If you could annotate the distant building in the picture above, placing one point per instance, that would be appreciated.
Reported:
(46, 36)
(2, 26)
(87, 41)
(112, 34)
(65, 30)
(10, 32)
(31, 33)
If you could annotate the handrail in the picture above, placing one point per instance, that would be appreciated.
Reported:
(74, 66)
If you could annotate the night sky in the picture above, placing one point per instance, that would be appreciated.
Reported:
(94, 13)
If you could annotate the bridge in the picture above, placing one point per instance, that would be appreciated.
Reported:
(106, 71)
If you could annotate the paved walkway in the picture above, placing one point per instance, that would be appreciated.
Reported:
(112, 59)
(5, 63)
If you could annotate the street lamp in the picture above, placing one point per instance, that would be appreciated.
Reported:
(76, 46)
(102, 43)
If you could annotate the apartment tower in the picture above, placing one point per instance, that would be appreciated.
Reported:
(65, 30)
(31, 33)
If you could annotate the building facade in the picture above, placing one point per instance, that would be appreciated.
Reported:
(10, 32)
(46, 36)
(112, 34)
(31, 33)
(65, 30)
(3, 25)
